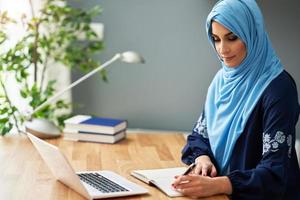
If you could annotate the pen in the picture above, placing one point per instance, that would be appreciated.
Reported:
(189, 169)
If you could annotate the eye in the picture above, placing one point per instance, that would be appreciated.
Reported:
(232, 37)
(215, 39)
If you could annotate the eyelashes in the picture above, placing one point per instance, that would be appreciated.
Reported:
(230, 38)
(215, 39)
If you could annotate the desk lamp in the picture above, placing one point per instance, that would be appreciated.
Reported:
(44, 128)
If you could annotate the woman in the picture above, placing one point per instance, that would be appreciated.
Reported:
(243, 142)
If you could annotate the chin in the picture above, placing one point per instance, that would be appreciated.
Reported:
(230, 65)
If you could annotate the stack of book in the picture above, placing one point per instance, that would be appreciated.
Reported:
(94, 129)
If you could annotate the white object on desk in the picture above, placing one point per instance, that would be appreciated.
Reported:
(63, 171)
(161, 178)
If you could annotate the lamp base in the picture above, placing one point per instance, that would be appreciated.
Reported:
(42, 128)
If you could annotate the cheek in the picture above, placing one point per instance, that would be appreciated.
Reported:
(241, 49)
(217, 47)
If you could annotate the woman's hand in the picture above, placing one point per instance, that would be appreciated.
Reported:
(205, 167)
(202, 186)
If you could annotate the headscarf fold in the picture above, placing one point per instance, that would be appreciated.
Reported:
(234, 92)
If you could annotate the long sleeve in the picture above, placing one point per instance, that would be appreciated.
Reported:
(277, 174)
(197, 143)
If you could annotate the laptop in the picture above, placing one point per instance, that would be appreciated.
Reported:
(90, 184)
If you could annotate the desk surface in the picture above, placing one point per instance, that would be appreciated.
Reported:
(25, 176)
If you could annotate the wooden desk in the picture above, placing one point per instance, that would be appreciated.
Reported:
(25, 176)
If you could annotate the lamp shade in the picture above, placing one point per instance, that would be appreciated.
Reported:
(131, 57)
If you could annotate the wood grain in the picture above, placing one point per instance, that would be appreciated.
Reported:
(25, 176)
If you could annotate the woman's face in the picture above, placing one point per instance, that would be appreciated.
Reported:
(230, 48)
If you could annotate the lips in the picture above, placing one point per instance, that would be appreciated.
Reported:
(227, 59)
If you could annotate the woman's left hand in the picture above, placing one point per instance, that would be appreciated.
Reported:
(202, 186)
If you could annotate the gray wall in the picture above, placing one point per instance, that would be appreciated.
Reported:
(168, 92)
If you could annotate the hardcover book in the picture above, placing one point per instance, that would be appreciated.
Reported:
(102, 125)
(101, 138)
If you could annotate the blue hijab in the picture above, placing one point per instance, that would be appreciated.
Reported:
(234, 92)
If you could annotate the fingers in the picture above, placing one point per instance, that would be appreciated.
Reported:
(204, 169)
(195, 185)
(198, 168)
(189, 185)
(181, 180)
(213, 172)
(190, 191)
(184, 187)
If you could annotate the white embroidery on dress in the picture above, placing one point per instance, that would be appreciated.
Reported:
(289, 143)
(273, 144)
(201, 127)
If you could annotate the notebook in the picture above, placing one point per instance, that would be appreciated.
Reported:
(161, 178)
(90, 184)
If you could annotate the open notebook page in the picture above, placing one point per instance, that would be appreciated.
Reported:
(162, 178)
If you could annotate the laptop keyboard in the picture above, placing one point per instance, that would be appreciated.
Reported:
(101, 183)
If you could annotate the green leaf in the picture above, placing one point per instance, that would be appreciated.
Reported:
(56, 41)
(5, 128)
(24, 94)
(3, 111)
(4, 120)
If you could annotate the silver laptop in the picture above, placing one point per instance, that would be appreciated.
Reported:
(90, 184)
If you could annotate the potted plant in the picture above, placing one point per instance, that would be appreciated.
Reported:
(54, 35)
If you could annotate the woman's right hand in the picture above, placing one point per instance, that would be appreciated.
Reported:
(205, 167)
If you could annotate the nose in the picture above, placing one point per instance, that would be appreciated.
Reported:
(223, 48)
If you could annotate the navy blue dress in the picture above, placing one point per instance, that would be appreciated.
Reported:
(264, 162)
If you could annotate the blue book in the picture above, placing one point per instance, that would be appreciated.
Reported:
(101, 125)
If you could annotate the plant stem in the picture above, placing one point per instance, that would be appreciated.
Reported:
(10, 105)
(31, 8)
(43, 72)
(35, 47)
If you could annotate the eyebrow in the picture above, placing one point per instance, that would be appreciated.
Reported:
(229, 33)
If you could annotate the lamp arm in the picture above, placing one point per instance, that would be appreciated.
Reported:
(101, 67)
